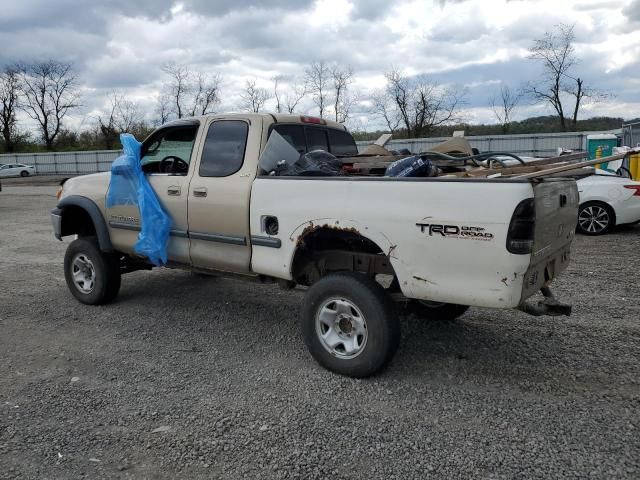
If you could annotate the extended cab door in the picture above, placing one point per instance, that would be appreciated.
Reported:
(167, 160)
(219, 194)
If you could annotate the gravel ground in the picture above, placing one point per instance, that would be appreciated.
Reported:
(185, 377)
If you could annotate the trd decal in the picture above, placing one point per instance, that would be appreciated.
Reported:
(455, 231)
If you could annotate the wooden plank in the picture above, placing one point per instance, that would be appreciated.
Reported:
(573, 166)
(383, 139)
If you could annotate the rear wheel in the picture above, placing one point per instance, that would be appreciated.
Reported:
(348, 324)
(93, 277)
(444, 312)
(24, 173)
(595, 218)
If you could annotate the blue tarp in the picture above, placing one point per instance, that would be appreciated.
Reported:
(129, 186)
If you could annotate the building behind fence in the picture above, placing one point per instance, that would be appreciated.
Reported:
(540, 145)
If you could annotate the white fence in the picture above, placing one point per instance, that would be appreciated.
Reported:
(538, 145)
(65, 163)
(541, 145)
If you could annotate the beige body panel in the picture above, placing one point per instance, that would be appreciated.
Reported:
(219, 221)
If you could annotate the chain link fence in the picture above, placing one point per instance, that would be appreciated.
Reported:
(631, 134)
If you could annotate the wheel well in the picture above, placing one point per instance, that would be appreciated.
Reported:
(77, 221)
(328, 249)
(605, 204)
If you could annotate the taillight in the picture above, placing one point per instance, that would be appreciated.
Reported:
(634, 187)
(522, 228)
(314, 120)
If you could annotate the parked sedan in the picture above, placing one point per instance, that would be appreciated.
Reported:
(607, 200)
(16, 170)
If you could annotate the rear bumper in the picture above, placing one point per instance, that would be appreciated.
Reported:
(56, 222)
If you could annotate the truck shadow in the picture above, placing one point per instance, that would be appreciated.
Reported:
(504, 345)
(483, 345)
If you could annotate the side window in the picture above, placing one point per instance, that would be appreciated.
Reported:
(294, 134)
(341, 143)
(169, 151)
(316, 139)
(223, 151)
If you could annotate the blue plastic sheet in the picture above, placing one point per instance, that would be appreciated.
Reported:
(129, 186)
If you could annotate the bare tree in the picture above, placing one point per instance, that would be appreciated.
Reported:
(276, 92)
(205, 93)
(384, 107)
(341, 78)
(556, 53)
(317, 79)
(423, 104)
(582, 93)
(163, 108)
(10, 91)
(504, 104)
(191, 93)
(123, 115)
(178, 85)
(50, 92)
(253, 98)
(294, 95)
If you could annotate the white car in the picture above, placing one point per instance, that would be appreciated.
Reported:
(607, 200)
(16, 170)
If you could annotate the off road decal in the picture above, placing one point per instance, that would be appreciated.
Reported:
(455, 231)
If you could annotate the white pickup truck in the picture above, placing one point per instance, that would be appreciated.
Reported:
(362, 246)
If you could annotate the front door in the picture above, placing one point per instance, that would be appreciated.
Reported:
(219, 195)
(166, 160)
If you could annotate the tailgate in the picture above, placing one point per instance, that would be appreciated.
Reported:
(556, 215)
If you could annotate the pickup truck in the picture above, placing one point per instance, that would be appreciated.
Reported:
(363, 247)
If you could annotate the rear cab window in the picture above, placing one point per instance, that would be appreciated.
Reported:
(305, 138)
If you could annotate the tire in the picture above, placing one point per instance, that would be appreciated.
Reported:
(435, 311)
(24, 173)
(595, 218)
(93, 277)
(349, 324)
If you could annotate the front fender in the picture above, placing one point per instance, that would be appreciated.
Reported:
(92, 210)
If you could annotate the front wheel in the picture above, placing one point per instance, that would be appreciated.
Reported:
(595, 218)
(93, 277)
(348, 324)
(24, 173)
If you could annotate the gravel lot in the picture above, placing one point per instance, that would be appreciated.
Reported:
(185, 377)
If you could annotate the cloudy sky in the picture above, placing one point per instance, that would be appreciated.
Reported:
(475, 44)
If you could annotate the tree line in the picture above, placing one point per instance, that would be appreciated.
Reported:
(47, 92)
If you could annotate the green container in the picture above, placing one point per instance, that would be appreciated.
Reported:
(605, 141)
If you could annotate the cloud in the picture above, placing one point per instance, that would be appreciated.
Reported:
(475, 44)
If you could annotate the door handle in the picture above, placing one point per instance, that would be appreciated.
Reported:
(173, 190)
(200, 192)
